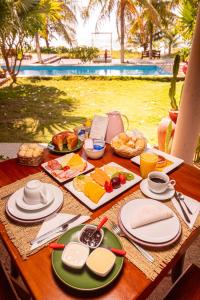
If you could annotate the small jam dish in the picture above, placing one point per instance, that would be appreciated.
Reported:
(90, 236)
(101, 261)
(75, 255)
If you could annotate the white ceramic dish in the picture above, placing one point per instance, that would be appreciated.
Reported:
(30, 207)
(93, 227)
(75, 255)
(107, 196)
(168, 194)
(13, 209)
(149, 245)
(94, 154)
(175, 160)
(158, 232)
(89, 167)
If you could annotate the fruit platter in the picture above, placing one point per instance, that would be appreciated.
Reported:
(102, 185)
(65, 142)
(67, 167)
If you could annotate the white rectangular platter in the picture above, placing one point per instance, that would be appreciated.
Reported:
(89, 167)
(107, 196)
(175, 160)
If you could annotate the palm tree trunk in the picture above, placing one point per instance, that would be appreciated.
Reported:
(150, 39)
(37, 44)
(47, 42)
(122, 29)
(170, 48)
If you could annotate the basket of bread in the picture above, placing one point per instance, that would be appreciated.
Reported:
(30, 154)
(128, 145)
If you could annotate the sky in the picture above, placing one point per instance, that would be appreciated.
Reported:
(84, 31)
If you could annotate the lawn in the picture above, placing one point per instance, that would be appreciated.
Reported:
(36, 109)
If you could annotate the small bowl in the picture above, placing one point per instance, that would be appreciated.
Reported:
(75, 255)
(94, 154)
(92, 227)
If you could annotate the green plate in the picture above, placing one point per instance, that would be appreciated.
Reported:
(65, 150)
(84, 279)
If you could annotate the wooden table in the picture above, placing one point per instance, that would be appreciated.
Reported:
(132, 283)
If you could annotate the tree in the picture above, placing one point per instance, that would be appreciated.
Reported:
(14, 31)
(123, 9)
(53, 16)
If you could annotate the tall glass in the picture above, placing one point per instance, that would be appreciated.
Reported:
(148, 163)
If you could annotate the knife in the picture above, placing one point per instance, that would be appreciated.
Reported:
(61, 228)
(180, 204)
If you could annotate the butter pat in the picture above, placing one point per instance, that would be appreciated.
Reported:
(101, 261)
(75, 255)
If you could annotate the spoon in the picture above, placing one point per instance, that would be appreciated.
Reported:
(103, 221)
(180, 196)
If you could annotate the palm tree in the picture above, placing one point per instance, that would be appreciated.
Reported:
(152, 22)
(54, 16)
(14, 29)
(123, 9)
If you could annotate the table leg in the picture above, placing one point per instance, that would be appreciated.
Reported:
(178, 268)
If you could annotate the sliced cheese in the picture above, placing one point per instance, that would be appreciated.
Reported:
(76, 162)
(93, 191)
(101, 261)
(100, 176)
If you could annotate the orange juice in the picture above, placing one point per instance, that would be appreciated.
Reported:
(148, 163)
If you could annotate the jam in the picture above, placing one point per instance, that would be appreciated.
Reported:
(90, 237)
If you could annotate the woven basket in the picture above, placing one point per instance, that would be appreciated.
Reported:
(30, 161)
(128, 152)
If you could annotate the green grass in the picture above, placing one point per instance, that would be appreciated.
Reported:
(35, 109)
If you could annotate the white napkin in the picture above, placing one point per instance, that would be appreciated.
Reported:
(193, 205)
(149, 214)
(54, 222)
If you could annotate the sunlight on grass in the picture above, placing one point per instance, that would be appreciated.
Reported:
(34, 110)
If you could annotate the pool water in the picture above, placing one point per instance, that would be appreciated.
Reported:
(103, 70)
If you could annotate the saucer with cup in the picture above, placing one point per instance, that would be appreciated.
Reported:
(158, 186)
(36, 195)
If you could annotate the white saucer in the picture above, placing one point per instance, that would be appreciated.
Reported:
(168, 194)
(13, 209)
(25, 206)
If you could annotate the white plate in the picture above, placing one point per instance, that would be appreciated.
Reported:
(175, 160)
(158, 232)
(13, 209)
(168, 194)
(25, 206)
(107, 196)
(33, 221)
(89, 167)
(149, 245)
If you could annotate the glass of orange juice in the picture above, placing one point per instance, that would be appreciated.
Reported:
(148, 163)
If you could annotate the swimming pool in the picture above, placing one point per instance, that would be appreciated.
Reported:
(103, 70)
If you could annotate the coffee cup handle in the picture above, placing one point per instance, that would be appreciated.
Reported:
(171, 184)
(43, 197)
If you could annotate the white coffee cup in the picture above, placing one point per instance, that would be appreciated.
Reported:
(35, 192)
(159, 182)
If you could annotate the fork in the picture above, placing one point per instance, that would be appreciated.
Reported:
(181, 197)
(117, 230)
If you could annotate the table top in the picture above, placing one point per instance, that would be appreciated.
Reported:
(132, 283)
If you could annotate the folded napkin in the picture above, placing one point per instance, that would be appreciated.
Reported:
(54, 222)
(193, 205)
(148, 214)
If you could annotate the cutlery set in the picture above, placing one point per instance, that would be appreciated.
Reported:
(180, 199)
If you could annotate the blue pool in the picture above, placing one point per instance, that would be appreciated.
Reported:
(114, 70)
